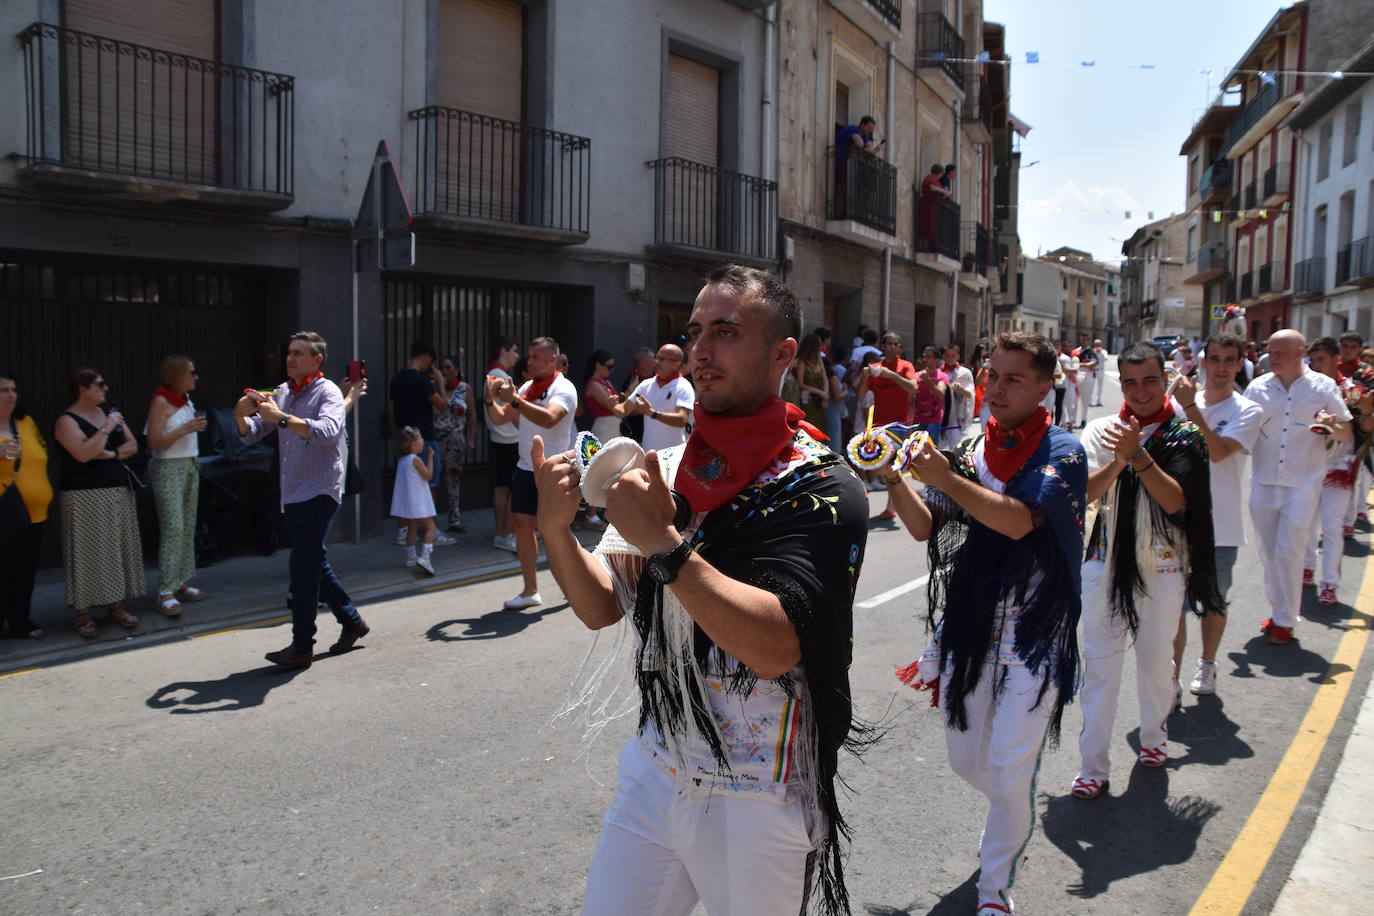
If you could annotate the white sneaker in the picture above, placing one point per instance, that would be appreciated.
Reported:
(1205, 681)
(423, 564)
(505, 543)
(410, 562)
(520, 602)
(400, 537)
(443, 540)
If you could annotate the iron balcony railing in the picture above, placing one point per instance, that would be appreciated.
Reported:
(1257, 108)
(1247, 285)
(713, 209)
(1309, 277)
(1251, 196)
(891, 10)
(977, 98)
(862, 187)
(1355, 262)
(975, 245)
(472, 166)
(1231, 290)
(97, 104)
(1265, 281)
(1277, 180)
(1216, 179)
(939, 45)
(937, 225)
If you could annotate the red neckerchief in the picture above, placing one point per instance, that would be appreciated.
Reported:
(951, 366)
(297, 389)
(176, 398)
(1006, 450)
(453, 383)
(674, 376)
(1349, 368)
(537, 389)
(496, 364)
(724, 454)
(1164, 414)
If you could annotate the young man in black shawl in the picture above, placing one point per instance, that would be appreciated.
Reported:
(734, 557)
(1005, 526)
(1150, 545)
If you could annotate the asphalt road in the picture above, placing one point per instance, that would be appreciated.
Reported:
(419, 774)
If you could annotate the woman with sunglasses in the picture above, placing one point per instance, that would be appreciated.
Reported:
(101, 550)
(173, 423)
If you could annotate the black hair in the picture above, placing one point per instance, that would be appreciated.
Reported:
(423, 348)
(870, 336)
(597, 358)
(1324, 345)
(1042, 356)
(1141, 352)
(498, 343)
(768, 292)
(1353, 335)
(867, 119)
(19, 388)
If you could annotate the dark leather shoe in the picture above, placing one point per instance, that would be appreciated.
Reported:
(349, 636)
(290, 658)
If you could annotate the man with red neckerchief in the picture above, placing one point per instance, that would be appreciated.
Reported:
(665, 400)
(893, 383)
(1005, 527)
(1329, 520)
(1150, 544)
(734, 558)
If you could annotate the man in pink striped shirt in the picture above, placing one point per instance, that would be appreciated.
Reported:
(307, 413)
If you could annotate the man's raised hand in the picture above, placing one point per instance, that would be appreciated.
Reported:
(559, 492)
(640, 506)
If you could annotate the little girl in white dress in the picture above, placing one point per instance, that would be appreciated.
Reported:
(411, 501)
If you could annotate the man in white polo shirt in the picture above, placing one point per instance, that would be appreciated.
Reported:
(1289, 466)
(665, 400)
(1230, 424)
(543, 406)
(1334, 498)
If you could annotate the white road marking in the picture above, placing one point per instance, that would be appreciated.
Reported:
(891, 593)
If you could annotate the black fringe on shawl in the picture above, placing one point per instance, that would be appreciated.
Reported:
(1181, 452)
(973, 568)
(738, 543)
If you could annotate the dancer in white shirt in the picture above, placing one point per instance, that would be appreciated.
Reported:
(1289, 466)
(958, 399)
(1329, 520)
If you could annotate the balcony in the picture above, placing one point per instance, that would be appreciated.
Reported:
(1149, 309)
(975, 248)
(976, 112)
(1251, 199)
(1277, 180)
(1212, 262)
(1265, 280)
(152, 125)
(881, 20)
(702, 212)
(1247, 286)
(484, 177)
(1309, 278)
(862, 189)
(1261, 113)
(939, 45)
(1355, 263)
(937, 232)
(1215, 184)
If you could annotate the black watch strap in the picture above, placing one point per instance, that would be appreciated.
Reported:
(664, 567)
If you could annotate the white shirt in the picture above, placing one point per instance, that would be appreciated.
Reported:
(1154, 555)
(504, 433)
(665, 399)
(1288, 453)
(1069, 363)
(185, 447)
(962, 408)
(560, 434)
(1237, 419)
(857, 357)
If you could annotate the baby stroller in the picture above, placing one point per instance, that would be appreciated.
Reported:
(239, 495)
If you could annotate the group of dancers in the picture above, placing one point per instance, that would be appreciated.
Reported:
(733, 560)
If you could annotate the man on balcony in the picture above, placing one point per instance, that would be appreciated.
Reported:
(847, 139)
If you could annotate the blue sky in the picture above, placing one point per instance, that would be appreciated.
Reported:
(1107, 137)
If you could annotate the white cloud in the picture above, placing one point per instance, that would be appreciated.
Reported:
(1072, 200)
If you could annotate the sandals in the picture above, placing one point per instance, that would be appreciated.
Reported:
(84, 625)
(190, 593)
(168, 605)
(1154, 756)
(1088, 788)
(122, 617)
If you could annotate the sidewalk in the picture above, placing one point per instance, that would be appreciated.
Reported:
(248, 588)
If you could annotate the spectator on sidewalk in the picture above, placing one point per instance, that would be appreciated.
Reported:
(1329, 520)
(664, 400)
(101, 549)
(1230, 425)
(416, 392)
(456, 429)
(504, 439)
(868, 343)
(959, 398)
(1288, 469)
(1088, 371)
(1060, 385)
(23, 464)
(544, 407)
(837, 408)
(307, 414)
(891, 381)
(172, 428)
(604, 403)
(1072, 394)
(1100, 376)
(411, 501)
(927, 409)
(809, 372)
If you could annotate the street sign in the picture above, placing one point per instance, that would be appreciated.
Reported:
(1218, 313)
(382, 229)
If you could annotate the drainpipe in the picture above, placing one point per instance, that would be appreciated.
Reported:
(890, 114)
(768, 166)
(956, 107)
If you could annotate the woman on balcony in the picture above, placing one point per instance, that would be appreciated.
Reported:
(101, 550)
(173, 423)
(932, 188)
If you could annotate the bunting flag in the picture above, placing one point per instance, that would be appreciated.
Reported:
(1032, 57)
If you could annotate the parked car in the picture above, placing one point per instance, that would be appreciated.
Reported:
(1165, 342)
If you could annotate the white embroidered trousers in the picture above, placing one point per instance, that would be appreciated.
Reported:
(1282, 518)
(1327, 524)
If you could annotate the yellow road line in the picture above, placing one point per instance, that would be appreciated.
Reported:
(1235, 878)
(19, 671)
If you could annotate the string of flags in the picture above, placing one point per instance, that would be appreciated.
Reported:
(1266, 77)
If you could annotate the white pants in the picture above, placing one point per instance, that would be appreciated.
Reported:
(1070, 404)
(1359, 497)
(1282, 518)
(661, 850)
(1098, 381)
(999, 755)
(1104, 654)
(950, 438)
(1327, 522)
(1081, 400)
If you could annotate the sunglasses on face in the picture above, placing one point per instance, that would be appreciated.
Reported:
(100, 383)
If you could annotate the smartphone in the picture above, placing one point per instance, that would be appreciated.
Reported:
(357, 370)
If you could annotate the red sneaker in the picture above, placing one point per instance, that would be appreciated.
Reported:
(1280, 636)
(888, 515)
(1267, 625)
(1348, 531)
(1327, 596)
(1308, 578)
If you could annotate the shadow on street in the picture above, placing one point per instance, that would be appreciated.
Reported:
(1211, 737)
(241, 690)
(961, 900)
(1291, 660)
(1118, 836)
(505, 622)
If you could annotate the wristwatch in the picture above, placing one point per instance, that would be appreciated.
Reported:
(283, 421)
(664, 567)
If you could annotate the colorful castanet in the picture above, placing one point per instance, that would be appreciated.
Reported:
(875, 446)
